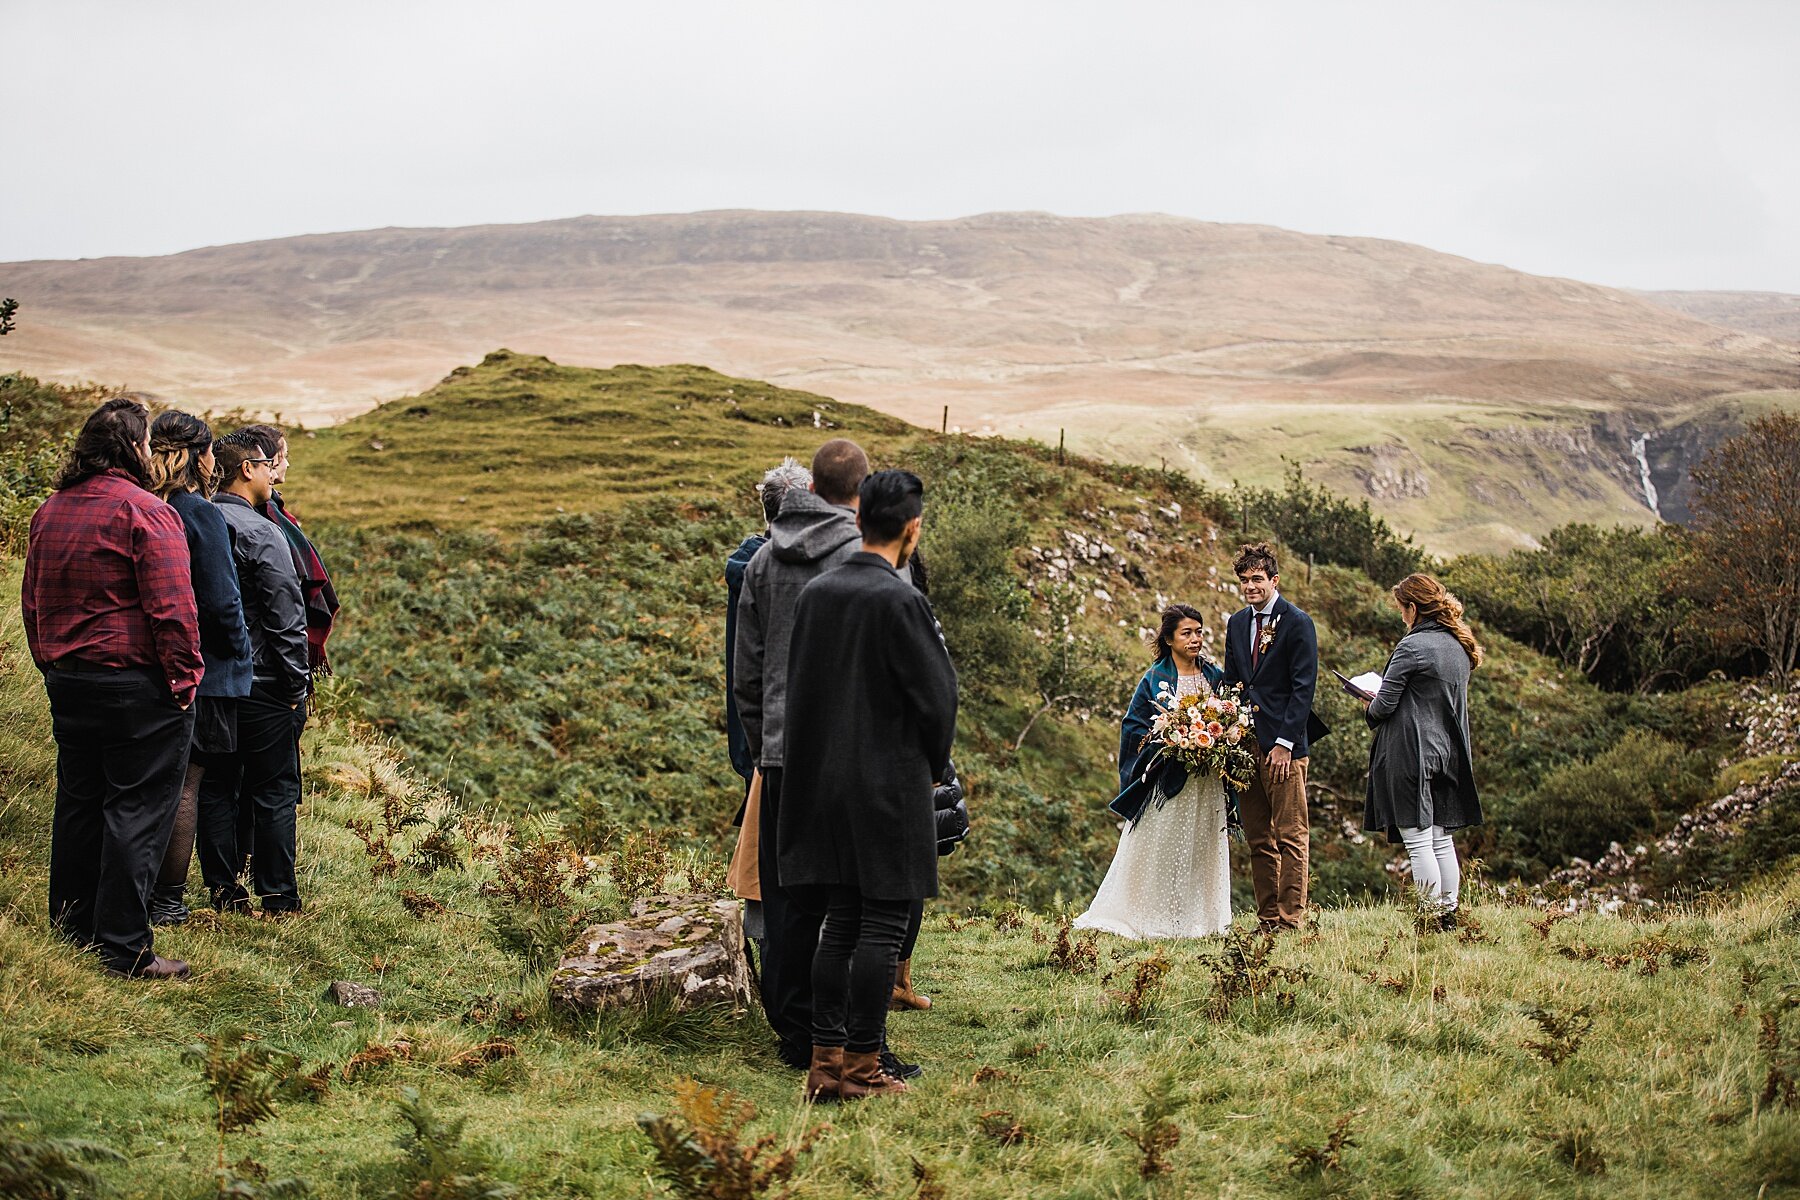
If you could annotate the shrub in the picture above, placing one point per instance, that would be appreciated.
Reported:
(1313, 520)
(1631, 790)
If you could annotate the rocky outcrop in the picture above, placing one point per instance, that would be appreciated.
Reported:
(687, 947)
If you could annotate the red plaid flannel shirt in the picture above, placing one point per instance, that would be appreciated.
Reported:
(107, 581)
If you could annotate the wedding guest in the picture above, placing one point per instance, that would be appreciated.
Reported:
(248, 801)
(180, 471)
(742, 875)
(814, 531)
(1272, 650)
(871, 713)
(315, 581)
(1421, 768)
(951, 810)
(110, 619)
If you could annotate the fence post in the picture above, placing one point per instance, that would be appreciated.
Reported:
(1309, 566)
(946, 425)
(1061, 439)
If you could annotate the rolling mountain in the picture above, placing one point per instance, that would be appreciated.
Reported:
(1473, 404)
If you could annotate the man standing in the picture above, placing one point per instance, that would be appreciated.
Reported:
(247, 807)
(1272, 649)
(743, 874)
(871, 715)
(814, 531)
(110, 619)
(316, 591)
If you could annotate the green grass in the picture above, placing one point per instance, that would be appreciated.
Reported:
(1421, 1037)
(555, 642)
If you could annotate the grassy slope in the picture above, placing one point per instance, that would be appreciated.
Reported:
(532, 570)
(1450, 1104)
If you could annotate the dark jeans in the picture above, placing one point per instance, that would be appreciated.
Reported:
(121, 755)
(853, 971)
(914, 921)
(790, 935)
(247, 803)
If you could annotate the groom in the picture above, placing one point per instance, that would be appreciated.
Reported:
(1273, 651)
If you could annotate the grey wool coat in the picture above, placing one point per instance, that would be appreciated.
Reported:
(871, 713)
(1421, 768)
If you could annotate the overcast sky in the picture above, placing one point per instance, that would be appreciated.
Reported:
(1643, 143)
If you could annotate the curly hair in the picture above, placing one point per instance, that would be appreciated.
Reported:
(177, 441)
(112, 439)
(1435, 604)
(1254, 555)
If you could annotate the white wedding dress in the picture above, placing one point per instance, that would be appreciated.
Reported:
(1171, 877)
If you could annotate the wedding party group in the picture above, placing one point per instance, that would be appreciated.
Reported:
(178, 614)
(841, 712)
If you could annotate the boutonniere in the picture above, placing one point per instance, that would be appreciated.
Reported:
(1268, 636)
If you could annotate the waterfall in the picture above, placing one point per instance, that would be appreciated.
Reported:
(1637, 451)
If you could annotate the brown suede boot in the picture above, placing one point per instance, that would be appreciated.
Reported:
(904, 996)
(863, 1076)
(825, 1077)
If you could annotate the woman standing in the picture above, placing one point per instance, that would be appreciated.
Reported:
(1421, 770)
(1171, 876)
(181, 468)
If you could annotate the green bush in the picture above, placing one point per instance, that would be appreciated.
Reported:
(1313, 520)
(1633, 790)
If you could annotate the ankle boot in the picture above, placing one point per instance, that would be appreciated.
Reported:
(863, 1076)
(904, 996)
(825, 1077)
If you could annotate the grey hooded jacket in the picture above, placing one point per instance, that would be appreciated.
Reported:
(274, 612)
(807, 538)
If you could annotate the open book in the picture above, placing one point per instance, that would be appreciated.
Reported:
(1363, 687)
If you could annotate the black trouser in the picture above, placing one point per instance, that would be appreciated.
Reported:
(853, 970)
(914, 920)
(121, 754)
(247, 803)
(790, 935)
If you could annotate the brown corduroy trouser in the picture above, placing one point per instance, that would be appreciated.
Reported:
(1276, 826)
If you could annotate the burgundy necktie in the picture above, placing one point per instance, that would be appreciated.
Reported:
(1256, 642)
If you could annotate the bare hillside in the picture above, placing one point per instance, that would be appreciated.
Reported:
(1476, 404)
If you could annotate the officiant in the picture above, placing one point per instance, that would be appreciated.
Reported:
(1421, 767)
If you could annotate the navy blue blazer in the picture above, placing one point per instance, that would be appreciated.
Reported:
(224, 641)
(1279, 688)
(1140, 774)
(737, 743)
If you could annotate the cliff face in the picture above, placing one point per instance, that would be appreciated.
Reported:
(1444, 389)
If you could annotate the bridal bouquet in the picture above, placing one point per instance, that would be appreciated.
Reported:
(1211, 734)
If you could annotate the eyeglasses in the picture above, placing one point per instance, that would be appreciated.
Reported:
(267, 462)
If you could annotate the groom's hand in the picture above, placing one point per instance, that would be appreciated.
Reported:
(1281, 764)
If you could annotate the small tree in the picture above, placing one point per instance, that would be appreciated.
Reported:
(8, 307)
(1746, 542)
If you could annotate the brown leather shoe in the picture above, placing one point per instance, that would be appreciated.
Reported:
(156, 968)
(825, 1077)
(904, 996)
(863, 1076)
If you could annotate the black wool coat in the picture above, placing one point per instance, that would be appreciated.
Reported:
(871, 713)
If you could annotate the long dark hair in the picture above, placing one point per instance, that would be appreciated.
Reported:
(112, 439)
(177, 440)
(1172, 616)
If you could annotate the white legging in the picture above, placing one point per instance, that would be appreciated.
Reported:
(1435, 872)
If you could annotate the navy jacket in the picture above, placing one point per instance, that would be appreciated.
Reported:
(1279, 689)
(224, 640)
(1139, 775)
(738, 745)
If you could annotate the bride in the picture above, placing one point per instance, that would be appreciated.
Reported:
(1171, 876)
